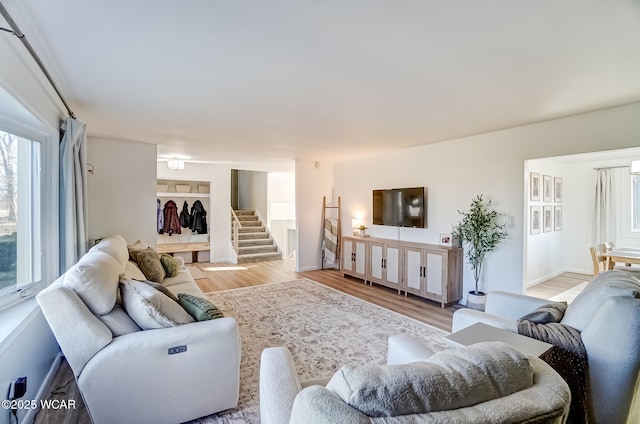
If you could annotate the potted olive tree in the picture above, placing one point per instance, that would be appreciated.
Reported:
(479, 232)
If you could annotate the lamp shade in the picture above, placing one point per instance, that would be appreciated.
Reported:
(635, 167)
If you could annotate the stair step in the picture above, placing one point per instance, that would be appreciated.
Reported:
(246, 217)
(252, 236)
(255, 242)
(259, 257)
(256, 249)
(260, 229)
(251, 223)
(244, 212)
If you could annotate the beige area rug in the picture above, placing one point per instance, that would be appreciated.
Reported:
(569, 295)
(324, 329)
(196, 273)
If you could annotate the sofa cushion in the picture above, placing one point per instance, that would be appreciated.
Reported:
(450, 379)
(119, 322)
(199, 308)
(169, 264)
(551, 312)
(149, 262)
(132, 270)
(607, 284)
(150, 308)
(115, 246)
(95, 278)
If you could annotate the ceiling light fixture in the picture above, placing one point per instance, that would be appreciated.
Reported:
(635, 167)
(175, 164)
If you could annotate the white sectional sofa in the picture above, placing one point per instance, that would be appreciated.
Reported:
(125, 373)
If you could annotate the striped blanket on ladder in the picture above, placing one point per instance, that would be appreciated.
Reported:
(330, 244)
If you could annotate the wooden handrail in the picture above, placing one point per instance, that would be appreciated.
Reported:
(236, 226)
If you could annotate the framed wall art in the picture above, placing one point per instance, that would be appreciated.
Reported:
(534, 216)
(534, 186)
(557, 218)
(547, 188)
(547, 218)
(557, 190)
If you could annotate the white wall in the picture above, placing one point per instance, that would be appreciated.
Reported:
(281, 198)
(313, 180)
(122, 189)
(493, 164)
(252, 191)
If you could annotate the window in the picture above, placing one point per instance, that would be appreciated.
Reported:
(20, 219)
(635, 203)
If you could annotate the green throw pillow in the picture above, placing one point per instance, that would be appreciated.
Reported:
(199, 308)
(149, 262)
(169, 264)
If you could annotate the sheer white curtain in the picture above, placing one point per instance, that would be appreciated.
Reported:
(605, 216)
(73, 193)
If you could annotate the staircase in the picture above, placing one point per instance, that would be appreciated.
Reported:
(254, 241)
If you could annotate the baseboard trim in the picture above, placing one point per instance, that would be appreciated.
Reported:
(544, 278)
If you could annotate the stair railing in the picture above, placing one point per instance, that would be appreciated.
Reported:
(236, 229)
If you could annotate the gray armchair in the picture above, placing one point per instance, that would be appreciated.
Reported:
(607, 313)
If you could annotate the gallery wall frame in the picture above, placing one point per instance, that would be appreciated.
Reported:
(547, 218)
(534, 217)
(557, 190)
(534, 186)
(547, 188)
(557, 218)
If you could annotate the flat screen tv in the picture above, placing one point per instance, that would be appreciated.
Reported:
(400, 207)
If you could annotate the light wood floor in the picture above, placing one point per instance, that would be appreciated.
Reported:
(230, 276)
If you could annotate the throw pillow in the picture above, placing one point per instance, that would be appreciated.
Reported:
(150, 308)
(161, 288)
(551, 312)
(136, 247)
(149, 262)
(451, 379)
(169, 264)
(199, 308)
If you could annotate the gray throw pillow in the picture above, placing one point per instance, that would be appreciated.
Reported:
(150, 308)
(161, 288)
(551, 312)
(199, 308)
(451, 379)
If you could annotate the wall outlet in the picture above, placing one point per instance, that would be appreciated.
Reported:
(511, 220)
(20, 387)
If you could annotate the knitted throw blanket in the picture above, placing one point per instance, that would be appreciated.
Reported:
(568, 358)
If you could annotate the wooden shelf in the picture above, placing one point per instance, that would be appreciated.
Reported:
(200, 195)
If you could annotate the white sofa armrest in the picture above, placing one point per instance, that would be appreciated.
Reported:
(404, 349)
(78, 332)
(279, 385)
(463, 318)
(512, 305)
(138, 369)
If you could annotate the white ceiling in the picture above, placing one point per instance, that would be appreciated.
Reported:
(329, 80)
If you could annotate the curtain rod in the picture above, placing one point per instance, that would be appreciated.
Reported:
(611, 167)
(16, 31)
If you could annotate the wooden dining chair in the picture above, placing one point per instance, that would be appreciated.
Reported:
(599, 262)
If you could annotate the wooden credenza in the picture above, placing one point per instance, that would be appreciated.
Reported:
(430, 271)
